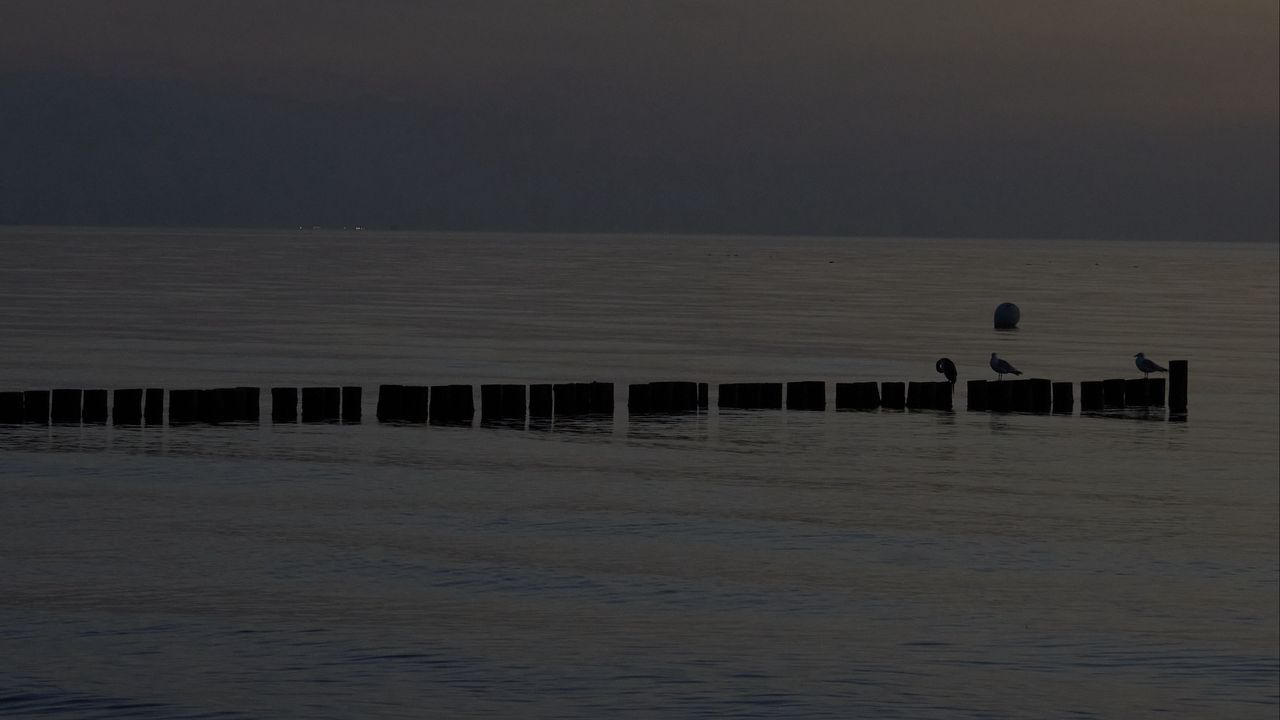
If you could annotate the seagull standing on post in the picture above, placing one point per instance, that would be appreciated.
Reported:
(1147, 366)
(948, 368)
(1002, 367)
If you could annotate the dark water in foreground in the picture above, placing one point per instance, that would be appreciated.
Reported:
(737, 564)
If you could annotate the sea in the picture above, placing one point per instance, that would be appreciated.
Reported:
(720, 564)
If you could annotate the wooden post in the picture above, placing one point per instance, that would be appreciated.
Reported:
(284, 405)
(1063, 399)
(35, 407)
(893, 395)
(1113, 393)
(1155, 392)
(751, 396)
(182, 406)
(321, 404)
(728, 395)
(1092, 397)
(513, 402)
(1019, 395)
(1041, 395)
(977, 395)
(1177, 386)
(416, 400)
(95, 407)
(686, 397)
(153, 411)
(352, 399)
(943, 398)
(451, 405)
(64, 406)
(600, 396)
(541, 400)
(216, 405)
(1135, 392)
(807, 395)
(126, 407)
(502, 403)
(390, 403)
(10, 408)
(704, 396)
(248, 404)
(770, 396)
(914, 399)
(1000, 395)
(638, 400)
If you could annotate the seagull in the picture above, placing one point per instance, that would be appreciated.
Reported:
(948, 368)
(1147, 366)
(1002, 366)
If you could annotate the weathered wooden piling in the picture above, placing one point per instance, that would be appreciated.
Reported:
(284, 405)
(1155, 391)
(704, 396)
(570, 399)
(182, 406)
(807, 395)
(64, 406)
(541, 401)
(153, 411)
(594, 398)
(352, 399)
(751, 396)
(96, 407)
(640, 398)
(1019, 395)
(35, 407)
(1177, 386)
(390, 403)
(1063, 399)
(943, 395)
(249, 402)
(601, 394)
(1113, 393)
(415, 405)
(977, 395)
(1135, 393)
(10, 408)
(1092, 396)
(216, 405)
(662, 397)
(502, 403)
(126, 406)
(919, 395)
(893, 395)
(321, 404)
(451, 405)
(1000, 395)
(1041, 395)
(858, 396)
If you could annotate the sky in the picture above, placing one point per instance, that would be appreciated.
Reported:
(1142, 119)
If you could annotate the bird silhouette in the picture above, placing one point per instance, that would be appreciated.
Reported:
(948, 368)
(1002, 367)
(1147, 366)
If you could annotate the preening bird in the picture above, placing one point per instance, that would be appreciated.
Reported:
(1002, 367)
(948, 368)
(1147, 366)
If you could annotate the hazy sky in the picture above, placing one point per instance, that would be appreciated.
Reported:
(1065, 118)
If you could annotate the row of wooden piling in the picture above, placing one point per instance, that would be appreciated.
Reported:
(454, 404)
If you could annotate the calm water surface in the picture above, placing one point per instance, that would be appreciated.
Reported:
(732, 564)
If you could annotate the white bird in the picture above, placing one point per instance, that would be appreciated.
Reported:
(1147, 366)
(1001, 367)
